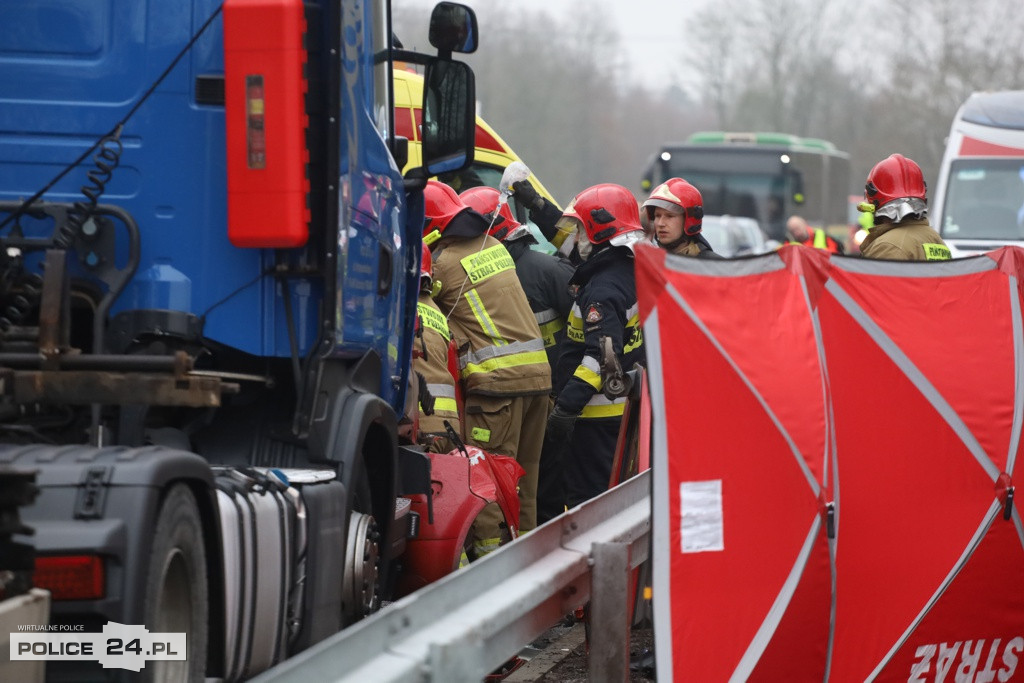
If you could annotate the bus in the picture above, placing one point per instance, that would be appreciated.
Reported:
(765, 176)
(979, 199)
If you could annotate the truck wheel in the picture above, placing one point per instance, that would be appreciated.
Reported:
(360, 594)
(176, 590)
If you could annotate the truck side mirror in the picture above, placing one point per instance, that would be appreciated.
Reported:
(453, 29)
(449, 116)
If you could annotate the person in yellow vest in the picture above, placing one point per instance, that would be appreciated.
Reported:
(896, 195)
(801, 232)
(502, 363)
(431, 363)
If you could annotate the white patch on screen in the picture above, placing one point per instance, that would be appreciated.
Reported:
(700, 504)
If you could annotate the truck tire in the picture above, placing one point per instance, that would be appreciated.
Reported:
(176, 590)
(361, 578)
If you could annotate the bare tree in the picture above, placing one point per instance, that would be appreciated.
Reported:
(941, 51)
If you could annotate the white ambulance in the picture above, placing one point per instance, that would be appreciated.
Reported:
(979, 202)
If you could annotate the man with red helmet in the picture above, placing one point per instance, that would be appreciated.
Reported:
(503, 366)
(606, 308)
(675, 210)
(545, 280)
(431, 364)
(896, 195)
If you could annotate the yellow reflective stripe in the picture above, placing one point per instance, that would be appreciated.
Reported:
(575, 331)
(488, 352)
(486, 545)
(936, 252)
(487, 263)
(431, 237)
(443, 405)
(392, 352)
(480, 434)
(589, 376)
(511, 361)
(447, 405)
(548, 331)
(434, 319)
(819, 239)
(605, 410)
(635, 338)
(483, 317)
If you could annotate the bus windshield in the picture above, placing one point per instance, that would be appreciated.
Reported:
(767, 177)
(754, 195)
(985, 199)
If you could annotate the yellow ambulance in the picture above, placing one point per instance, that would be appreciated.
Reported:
(492, 153)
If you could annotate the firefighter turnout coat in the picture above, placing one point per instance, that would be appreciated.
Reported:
(545, 280)
(433, 366)
(606, 306)
(501, 352)
(912, 239)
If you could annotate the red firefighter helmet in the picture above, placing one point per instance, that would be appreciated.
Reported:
(895, 177)
(485, 200)
(442, 205)
(606, 211)
(678, 196)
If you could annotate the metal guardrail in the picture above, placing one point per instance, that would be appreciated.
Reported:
(470, 622)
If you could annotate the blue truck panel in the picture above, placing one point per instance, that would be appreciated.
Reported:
(62, 92)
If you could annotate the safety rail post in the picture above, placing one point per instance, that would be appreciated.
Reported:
(608, 660)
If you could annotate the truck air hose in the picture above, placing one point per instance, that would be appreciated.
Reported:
(105, 161)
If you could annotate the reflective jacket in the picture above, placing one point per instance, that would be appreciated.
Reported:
(605, 305)
(912, 239)
(820, 239)
(501, 352)
(545, 280)
(434, 368)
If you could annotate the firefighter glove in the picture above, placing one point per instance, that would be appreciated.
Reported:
(527, 194)
(560, 426)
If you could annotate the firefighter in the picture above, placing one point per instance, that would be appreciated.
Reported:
(503, 367)
(545, 277)
(545, 280)
(675, 210)
(800, 231)
(437, 395)
(896, 196)
(605, 312)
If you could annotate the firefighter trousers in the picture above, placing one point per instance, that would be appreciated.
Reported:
(550, 485)
(588, 463)
(513, 426)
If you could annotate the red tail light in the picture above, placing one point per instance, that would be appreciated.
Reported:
(70, 577)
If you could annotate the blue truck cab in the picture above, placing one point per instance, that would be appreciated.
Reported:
(209, 272)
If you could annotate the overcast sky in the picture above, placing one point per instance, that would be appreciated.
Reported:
(651, 30)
